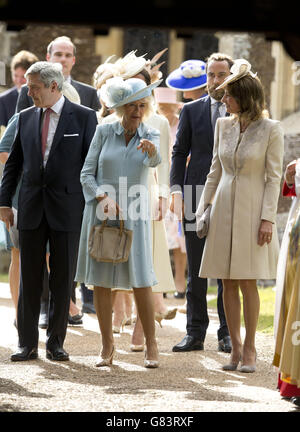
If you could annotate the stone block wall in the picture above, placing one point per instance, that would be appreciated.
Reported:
(36, 38)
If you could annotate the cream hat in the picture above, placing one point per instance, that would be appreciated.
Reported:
(117, 91)
(239, 69)
(70, 92)
(103, 72)
(129, 66)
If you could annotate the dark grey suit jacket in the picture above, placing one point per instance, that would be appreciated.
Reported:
(87, 93)
(195, 138)
(8, 101)
(56, 189)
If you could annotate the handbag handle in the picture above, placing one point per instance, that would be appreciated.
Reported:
(104, 223)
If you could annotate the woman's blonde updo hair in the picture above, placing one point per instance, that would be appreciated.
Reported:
(249, 94)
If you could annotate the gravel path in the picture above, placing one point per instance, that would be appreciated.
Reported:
(184, 382)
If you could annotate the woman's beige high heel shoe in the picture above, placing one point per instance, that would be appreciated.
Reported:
(105, 361)
(136, 348)
(151, 364)
(231, 366)
(248, 368)
(117, 329)
(170, 314)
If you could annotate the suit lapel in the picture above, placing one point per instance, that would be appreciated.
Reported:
(63, 122)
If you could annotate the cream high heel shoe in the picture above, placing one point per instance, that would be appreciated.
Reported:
(170, 314)
(136, 348)
(231, 366)
(117, 329)
(105, 361)
(151, 364)
(249, 368)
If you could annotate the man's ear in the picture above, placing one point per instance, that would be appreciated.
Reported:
(53, 86)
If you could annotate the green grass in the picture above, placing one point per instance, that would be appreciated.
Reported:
(4, 277)
(267, 307)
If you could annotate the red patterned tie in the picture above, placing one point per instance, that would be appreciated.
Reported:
(45, 130)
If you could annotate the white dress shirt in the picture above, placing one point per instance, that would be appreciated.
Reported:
(54, 118)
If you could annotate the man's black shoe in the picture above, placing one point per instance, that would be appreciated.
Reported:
(189, 343)
(24, 353)
(75, 319)
(296, 401)
(57, 354)
(225, 344)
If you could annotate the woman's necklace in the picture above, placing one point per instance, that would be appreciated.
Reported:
(129, 132)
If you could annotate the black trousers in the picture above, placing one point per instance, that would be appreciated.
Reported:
(197, 316)
(63, 259)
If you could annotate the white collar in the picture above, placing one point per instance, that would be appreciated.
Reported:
(58, 106)
(214, 101)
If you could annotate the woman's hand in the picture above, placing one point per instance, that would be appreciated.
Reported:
(177, 205)
(290, 172)
(147, 146)
(7, 216)
(264, 233)
(109, 207)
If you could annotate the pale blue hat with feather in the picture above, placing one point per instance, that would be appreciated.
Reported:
(117, 92)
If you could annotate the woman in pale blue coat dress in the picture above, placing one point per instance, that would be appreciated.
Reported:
(114, 180)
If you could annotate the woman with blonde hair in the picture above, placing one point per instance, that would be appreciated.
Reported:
(242, 187)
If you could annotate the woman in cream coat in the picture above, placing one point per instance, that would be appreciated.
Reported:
(243, 186)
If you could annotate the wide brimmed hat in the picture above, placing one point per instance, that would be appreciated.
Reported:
(165, 95)
(103, 72)
(117, 91)
(190, 75)
(129, 65)
(239, 69)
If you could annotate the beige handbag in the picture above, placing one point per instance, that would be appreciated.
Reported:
(110, 244)
(203, 223)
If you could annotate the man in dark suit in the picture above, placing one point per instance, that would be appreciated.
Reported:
(8, 99)
(50, 147)
(195, 138)
(62, 50)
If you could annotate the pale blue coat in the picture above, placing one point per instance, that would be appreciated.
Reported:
(108, 165)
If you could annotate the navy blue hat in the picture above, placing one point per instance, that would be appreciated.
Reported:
(190, 75)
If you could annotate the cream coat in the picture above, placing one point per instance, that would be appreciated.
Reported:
(243, 186)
